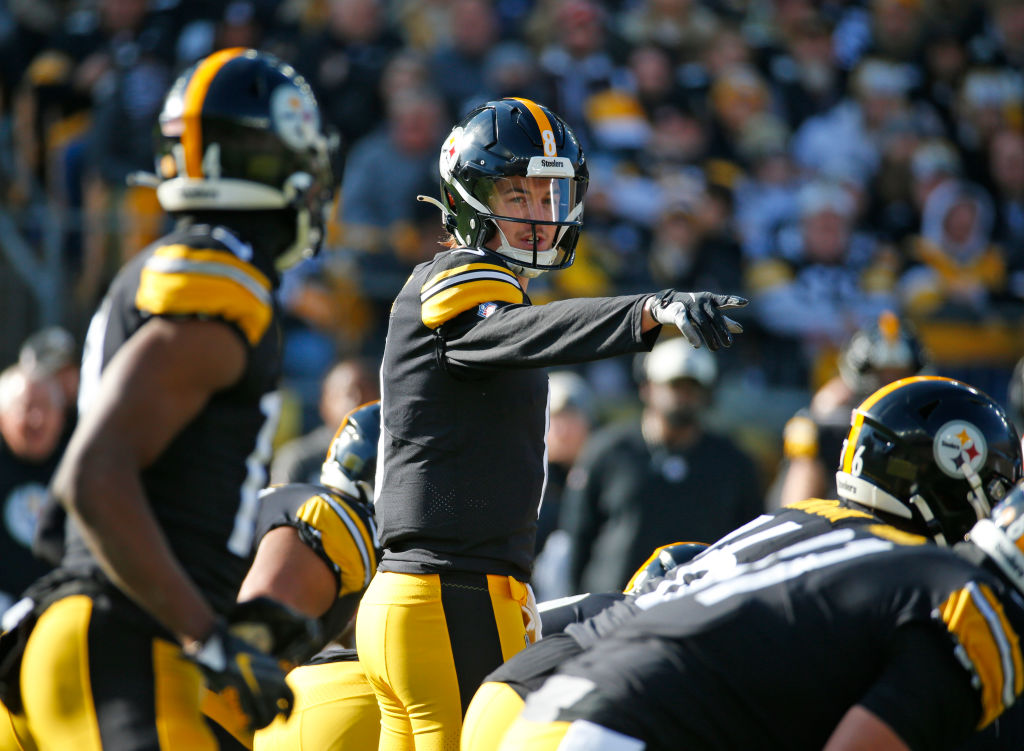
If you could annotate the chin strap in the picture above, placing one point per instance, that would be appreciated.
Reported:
(934, 528)
(976, 497)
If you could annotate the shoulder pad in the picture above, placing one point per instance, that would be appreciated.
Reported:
(461, 280)
(183, 281)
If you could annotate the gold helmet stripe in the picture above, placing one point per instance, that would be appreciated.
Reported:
(195, 95)
(850, 447)
(547, 135)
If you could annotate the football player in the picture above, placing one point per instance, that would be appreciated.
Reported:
(464, 411)
(178, 407)
(316, 551)
(858, 638)
(906, 468)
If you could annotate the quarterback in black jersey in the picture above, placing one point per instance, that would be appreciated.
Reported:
(909, 419)
(178, 408)
(464, 411)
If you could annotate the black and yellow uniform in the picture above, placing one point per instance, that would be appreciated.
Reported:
(460, 475)
(501, 696)
(341, 530)
(774, 655)
(335, 708)
(120, 675)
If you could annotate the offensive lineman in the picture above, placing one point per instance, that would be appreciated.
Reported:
(897, 428)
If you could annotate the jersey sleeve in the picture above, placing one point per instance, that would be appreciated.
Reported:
(348, 539)
(987, 646)
(923, 694)
(178, 280)
(460, 282)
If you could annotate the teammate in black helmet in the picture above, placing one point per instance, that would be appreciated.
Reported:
(178, 408)
(315, 550)
(464, 413)
(938, 439)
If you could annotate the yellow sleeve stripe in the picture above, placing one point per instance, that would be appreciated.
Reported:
(800, 438)
(987, 644)
(245, 272)
(209, 283)
(474, 270)
(346, 540)
(444, 304)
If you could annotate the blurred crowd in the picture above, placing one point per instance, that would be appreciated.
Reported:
(829, 160)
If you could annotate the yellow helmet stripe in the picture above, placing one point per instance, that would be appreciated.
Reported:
(547, 135)
(195, 95)
(850, 448)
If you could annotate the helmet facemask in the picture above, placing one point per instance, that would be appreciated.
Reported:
(532, 221)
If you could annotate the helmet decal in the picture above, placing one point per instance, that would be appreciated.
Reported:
(294, 117)
(195, 96)
(547, 135)
(450, 153)
(957, 443)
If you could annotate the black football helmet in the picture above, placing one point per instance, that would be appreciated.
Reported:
(888, 346)
(1001, 537)
(352, 456)
(929, 454)
(498, 149)
(241, 131)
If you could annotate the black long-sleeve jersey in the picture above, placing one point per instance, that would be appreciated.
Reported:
(751, 542)
(340, 529)
(203, 487)
(462, 455)
(774, 654)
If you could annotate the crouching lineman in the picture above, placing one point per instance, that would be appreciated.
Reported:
(316, 550)
(924, 459)
(848, 640)
(177, 408)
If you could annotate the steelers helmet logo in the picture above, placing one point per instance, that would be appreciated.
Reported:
(959, 443)
(295, 117)
(450, 153)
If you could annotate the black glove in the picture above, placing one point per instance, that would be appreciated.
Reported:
(231, 663)
(276, 629)
(698, 316)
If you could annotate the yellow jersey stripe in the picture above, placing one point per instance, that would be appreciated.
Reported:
(195, 95)
(543, 124)
(183, 284)
(345, 539)
(495, 271)
(831, 510)
(228, 264)
(988, 644)
(849, 448)
(445, 305)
